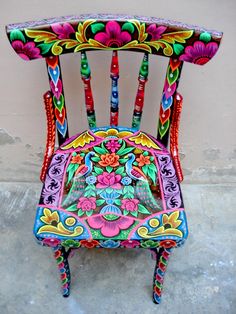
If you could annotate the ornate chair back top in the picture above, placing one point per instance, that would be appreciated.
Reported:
(51, 38)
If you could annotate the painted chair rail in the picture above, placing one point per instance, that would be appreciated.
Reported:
(56, 36)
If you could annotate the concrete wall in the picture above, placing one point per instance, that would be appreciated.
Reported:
(207, 135)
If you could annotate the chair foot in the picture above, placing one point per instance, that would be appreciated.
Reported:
(61, 257)
(162, 257)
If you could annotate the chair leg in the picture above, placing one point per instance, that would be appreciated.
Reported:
(61, 257)
(162, 257)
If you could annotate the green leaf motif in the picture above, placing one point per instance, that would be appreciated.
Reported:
(96, 159)
(100, 202)
(16, 34)
(97, 170)
(128, 189)
(125, 151)
(97, 27)
(120, 170)
(71, 170)
(134, 213)
(142, 209)
(72, 208)
(59, 103)
(89, 212)
(129, 27)
(125, 212)
(117, 202)
(44, 48)
(164, 128)
(100, 150)
(172, 76)
(152, 175)
(109, 169)
(145, 169)
(178, 48)
(80, 212)
(153, 167)
(206, 37)
(122, 161)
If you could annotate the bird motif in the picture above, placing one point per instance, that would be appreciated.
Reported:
(143, 191)
(133, 172)
(87, 167)
(79, 184)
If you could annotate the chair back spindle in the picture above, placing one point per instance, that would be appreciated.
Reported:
(139, 100)
(56, 86)
(86, 78)
(167, 102)
(114, 112)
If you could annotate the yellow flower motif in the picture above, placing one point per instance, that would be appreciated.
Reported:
(50, 217)
(113, 132)
(80, 141)
(169, 226)
(171, 221)
(144, 140)
(54, 226)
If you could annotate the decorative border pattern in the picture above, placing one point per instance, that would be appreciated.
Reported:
(53, 182)
(168, 96)
(171, 186)
(56, 85)
(50, 134)
(163, 37)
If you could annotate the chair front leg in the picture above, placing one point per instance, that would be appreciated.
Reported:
(61, 257)
(162, 257)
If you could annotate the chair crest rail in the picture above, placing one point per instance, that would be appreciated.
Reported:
(53, 37)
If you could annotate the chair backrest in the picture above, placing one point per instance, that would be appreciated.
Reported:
(50, 38)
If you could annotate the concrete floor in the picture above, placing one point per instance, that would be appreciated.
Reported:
(201, 276)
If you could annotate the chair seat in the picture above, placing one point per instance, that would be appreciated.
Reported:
(111, 187)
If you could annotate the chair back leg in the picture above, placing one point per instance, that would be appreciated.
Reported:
(61, 257)
(162, 256)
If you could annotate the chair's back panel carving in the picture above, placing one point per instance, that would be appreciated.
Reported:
(53, 37)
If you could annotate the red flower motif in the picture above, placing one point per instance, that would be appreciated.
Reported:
(26, 51)
(89, 244)
(63, 31)
(199, 53)
(130, 244)
(167, 244)
(111, 160)
(113, 37)
(155, 31)
(143, 160)
(51, 242)
(108, 180)
(87, 203)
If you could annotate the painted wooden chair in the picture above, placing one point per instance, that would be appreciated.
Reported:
(112, 187)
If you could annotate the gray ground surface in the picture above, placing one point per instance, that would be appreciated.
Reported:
(201, 276)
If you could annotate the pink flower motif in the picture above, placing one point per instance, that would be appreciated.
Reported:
(87, 203)
(199, 53)
(51, 242)
(109, 180)
(130, 204)
(110, 228)
(130, 244)
(63, 31)
(113, 37)
(155, 31)
(26, 51)
(113, 145)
